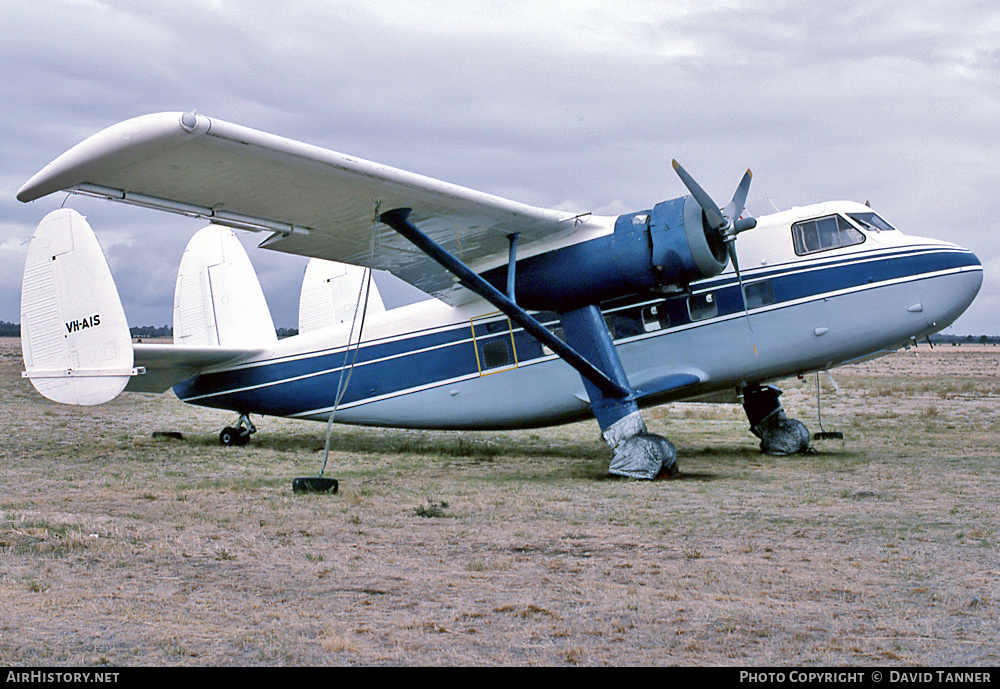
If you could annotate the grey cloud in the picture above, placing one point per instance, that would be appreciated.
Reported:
(577, 105)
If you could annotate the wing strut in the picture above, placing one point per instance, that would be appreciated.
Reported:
(512, 266)
(397, 220)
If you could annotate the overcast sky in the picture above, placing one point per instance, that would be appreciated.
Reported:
(578, 105)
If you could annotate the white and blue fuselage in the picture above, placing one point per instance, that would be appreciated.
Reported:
(816, 298)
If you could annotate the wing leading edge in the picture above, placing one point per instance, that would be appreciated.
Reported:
(316, 202)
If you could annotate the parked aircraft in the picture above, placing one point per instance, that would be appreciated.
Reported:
(534, 316)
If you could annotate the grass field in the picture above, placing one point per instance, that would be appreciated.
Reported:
(510, 548)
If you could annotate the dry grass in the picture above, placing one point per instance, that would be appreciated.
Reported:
(509, 548)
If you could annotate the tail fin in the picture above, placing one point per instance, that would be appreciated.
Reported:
(218, 299)
(332, 293)
(74, 336)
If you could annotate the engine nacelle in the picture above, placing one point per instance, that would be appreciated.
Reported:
(683, 244)
(668, 245)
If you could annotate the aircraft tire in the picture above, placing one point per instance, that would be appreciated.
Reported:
(644, 456)
(230, 436)
(781, 435)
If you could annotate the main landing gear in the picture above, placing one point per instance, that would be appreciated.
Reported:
(779, 435)
(240, 434)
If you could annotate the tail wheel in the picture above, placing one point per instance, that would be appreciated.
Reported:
(230, 436)
(234, 436)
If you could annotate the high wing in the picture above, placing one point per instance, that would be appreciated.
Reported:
(317, 202)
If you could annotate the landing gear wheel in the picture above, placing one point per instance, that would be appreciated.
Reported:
(238, 435)
(644, 456)
(779, 435)
(230, 436)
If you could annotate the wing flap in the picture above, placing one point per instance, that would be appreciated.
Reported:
(318, 202)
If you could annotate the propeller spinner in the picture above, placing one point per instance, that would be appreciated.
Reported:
(728, 222)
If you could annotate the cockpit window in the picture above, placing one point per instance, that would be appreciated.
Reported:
(871, 221)
(822, 234)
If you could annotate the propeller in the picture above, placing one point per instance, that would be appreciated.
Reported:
(727, 222)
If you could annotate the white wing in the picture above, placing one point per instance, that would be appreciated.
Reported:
(317, 202)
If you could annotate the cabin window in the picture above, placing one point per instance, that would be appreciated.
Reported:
(822, 234)
(493, 342)
(496, 353)
(702, 306)
(622, 324)
(871, 221)
(759, 293)
(655, 317)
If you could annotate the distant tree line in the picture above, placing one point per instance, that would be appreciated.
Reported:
(151, 331)
(955, 340)
(9, 329)
(163, 331)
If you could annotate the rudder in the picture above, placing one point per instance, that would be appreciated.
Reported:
(74, 337)
(334, 293)
(218, 300)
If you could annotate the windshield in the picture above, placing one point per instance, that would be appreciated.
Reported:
(871, 221)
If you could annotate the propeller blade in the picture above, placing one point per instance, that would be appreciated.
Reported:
(712, 213)
(731, 243)
(735, 208)
(727, 223)
(739, 276)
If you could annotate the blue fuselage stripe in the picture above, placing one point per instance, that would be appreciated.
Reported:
(309, 383)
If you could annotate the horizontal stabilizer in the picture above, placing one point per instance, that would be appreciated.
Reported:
(166, 365)
(74, 336)
(334, 293)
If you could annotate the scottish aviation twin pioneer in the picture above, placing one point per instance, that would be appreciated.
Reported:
(539, 317)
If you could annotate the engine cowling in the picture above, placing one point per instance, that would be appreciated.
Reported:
(671, 244)
(683, 244)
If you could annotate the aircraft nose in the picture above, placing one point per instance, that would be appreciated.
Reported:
(955, 286)
(978, 282)
(975, 269)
